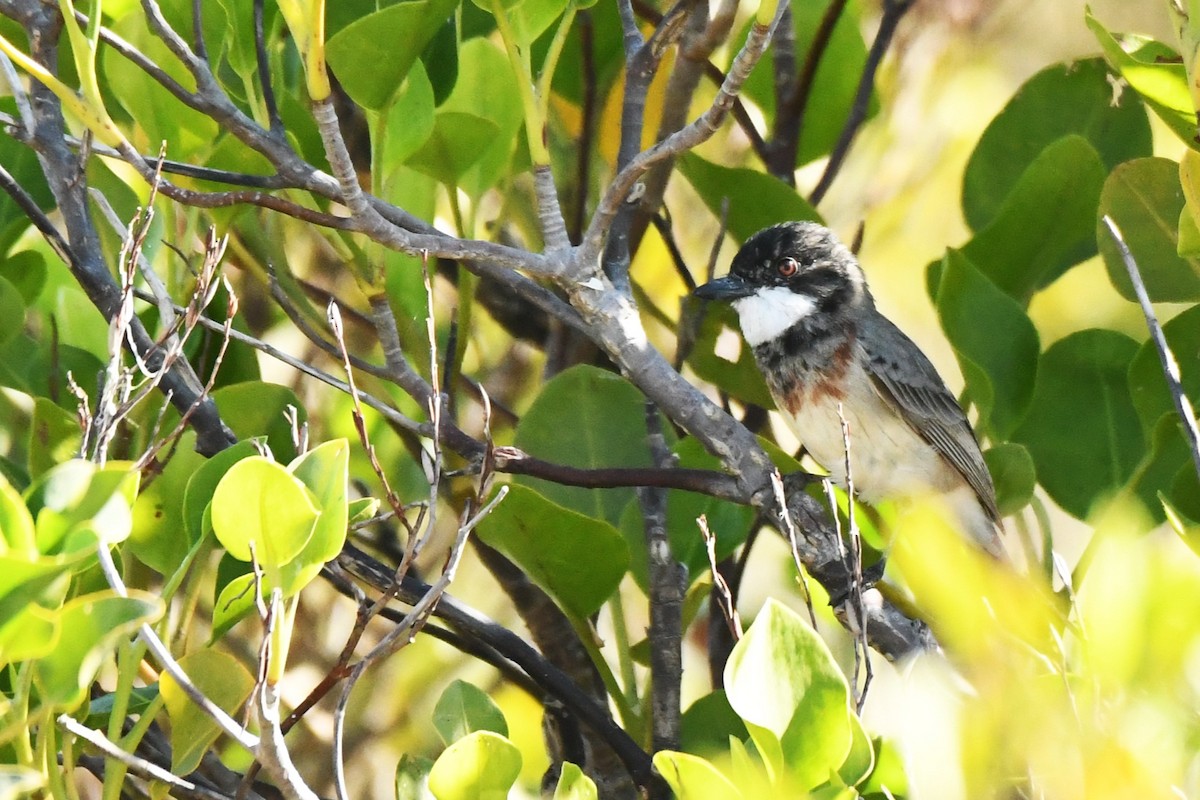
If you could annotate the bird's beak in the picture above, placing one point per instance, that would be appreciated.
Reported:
(731, 287)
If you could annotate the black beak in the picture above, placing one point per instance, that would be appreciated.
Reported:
(731, 287)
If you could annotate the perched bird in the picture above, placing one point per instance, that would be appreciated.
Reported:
(804, 306)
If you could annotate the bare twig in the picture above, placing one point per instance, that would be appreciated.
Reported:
(720, 586)
(1170, 367)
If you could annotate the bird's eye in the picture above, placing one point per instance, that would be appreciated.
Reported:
(787, 267)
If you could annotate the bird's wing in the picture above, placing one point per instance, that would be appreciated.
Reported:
(906, 379)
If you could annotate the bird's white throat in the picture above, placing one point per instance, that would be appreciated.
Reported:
(770, 311)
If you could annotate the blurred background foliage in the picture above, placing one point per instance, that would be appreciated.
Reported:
(998, 134)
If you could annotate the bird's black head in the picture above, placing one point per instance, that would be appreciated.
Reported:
(786, 273)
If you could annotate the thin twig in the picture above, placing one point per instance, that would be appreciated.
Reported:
(862, 655)
(893, 12)
(720, 586)
(1170, 367)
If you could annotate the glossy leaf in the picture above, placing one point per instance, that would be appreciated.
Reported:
(995, 342)
(91, 625)
(579, 561)
(1144, 198)
(774, 200)
(1154, 71)
(693, 778)
(1058, 101)
(204, 482)
(708, 724)
(260, 507)
(1082, 429)
(77, 505)
(464, 708)
(574, 785)
(782, 680)
(1024, 249)
(325, 470)
(1014, 475)
(586, 417)
(224, 681)
(17, 533)
(479, 766)
(372, 55)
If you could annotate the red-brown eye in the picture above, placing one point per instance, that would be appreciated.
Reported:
(787, 267)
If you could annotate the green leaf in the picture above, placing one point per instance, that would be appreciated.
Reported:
(861, 759)
(405, 124)
(574, 785)
(412, 778)
(91, 626)
(260, 508)
(16, 524)
(528, 19)
(994, 341)
(693, 778)
(729, 522)
(361, 509)
(159, 115)
(1024, 249)
(1155, 71)
(458, 140)
(708, 724)
(577, 560)
(487, 87)
(464, 708)
(773, 201)
(1058, 101)
(30, 633)
(204, 482)
(586, 417)
(742, 379)
(479, 766)
(1155, 479)
(159, 518)
(782, 680)
(325, 470)
(26, 270)
(835, 81)
(224, 681)
(12, 311)
(77, 505)
(1014, 475)
(372, 55)
(1148, 384)
(1082, 429)
(1144, 199)
(256, 408)
(1187, 530)
(234, 602)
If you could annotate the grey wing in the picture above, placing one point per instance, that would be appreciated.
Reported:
(903, 376)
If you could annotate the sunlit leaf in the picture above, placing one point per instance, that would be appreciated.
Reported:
(574, 785)
(479, 766)
(693, 778)
(782, 680)
(260, 510)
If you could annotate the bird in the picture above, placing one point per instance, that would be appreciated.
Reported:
(827, 354)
